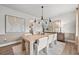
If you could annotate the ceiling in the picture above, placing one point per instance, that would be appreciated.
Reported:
(50, 10)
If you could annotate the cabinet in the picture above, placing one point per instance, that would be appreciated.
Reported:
(60, 37)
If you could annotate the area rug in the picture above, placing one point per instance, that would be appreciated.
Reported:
(56, 49)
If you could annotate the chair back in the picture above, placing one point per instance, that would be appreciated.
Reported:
(42, 43)
(50, 38)
(55, 37)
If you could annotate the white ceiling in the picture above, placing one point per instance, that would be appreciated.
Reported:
(50, 10)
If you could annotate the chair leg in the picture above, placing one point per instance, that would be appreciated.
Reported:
(46, 50)
(50, 45)
(55, 42)
(37, 52)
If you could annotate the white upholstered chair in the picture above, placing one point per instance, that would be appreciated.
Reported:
(55, 38)
(41, 44)
(52, 39)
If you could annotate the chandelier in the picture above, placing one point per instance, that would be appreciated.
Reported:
(42, 12)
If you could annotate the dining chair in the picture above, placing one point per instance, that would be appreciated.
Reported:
(41, 44)
(55, 38)
(50, 40)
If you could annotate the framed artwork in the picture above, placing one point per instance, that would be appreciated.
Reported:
(14, 24)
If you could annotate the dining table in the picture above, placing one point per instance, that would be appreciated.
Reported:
(31, 39)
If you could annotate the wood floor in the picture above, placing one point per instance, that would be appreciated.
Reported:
(70, 49)
(62, 48)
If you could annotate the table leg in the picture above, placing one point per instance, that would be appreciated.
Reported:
(31, 48)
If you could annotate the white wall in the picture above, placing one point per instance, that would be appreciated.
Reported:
(68, 21)
(7, 11)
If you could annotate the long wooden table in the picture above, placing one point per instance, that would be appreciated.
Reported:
(31, 39)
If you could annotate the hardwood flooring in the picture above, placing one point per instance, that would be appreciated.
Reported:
(67, 48)
(63, 48)
(70, 49)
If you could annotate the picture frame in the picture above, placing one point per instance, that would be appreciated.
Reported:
(14, 24)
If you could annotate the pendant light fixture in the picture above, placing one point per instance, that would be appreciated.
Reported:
(42, 12)
(42, 17)
(44, 22)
